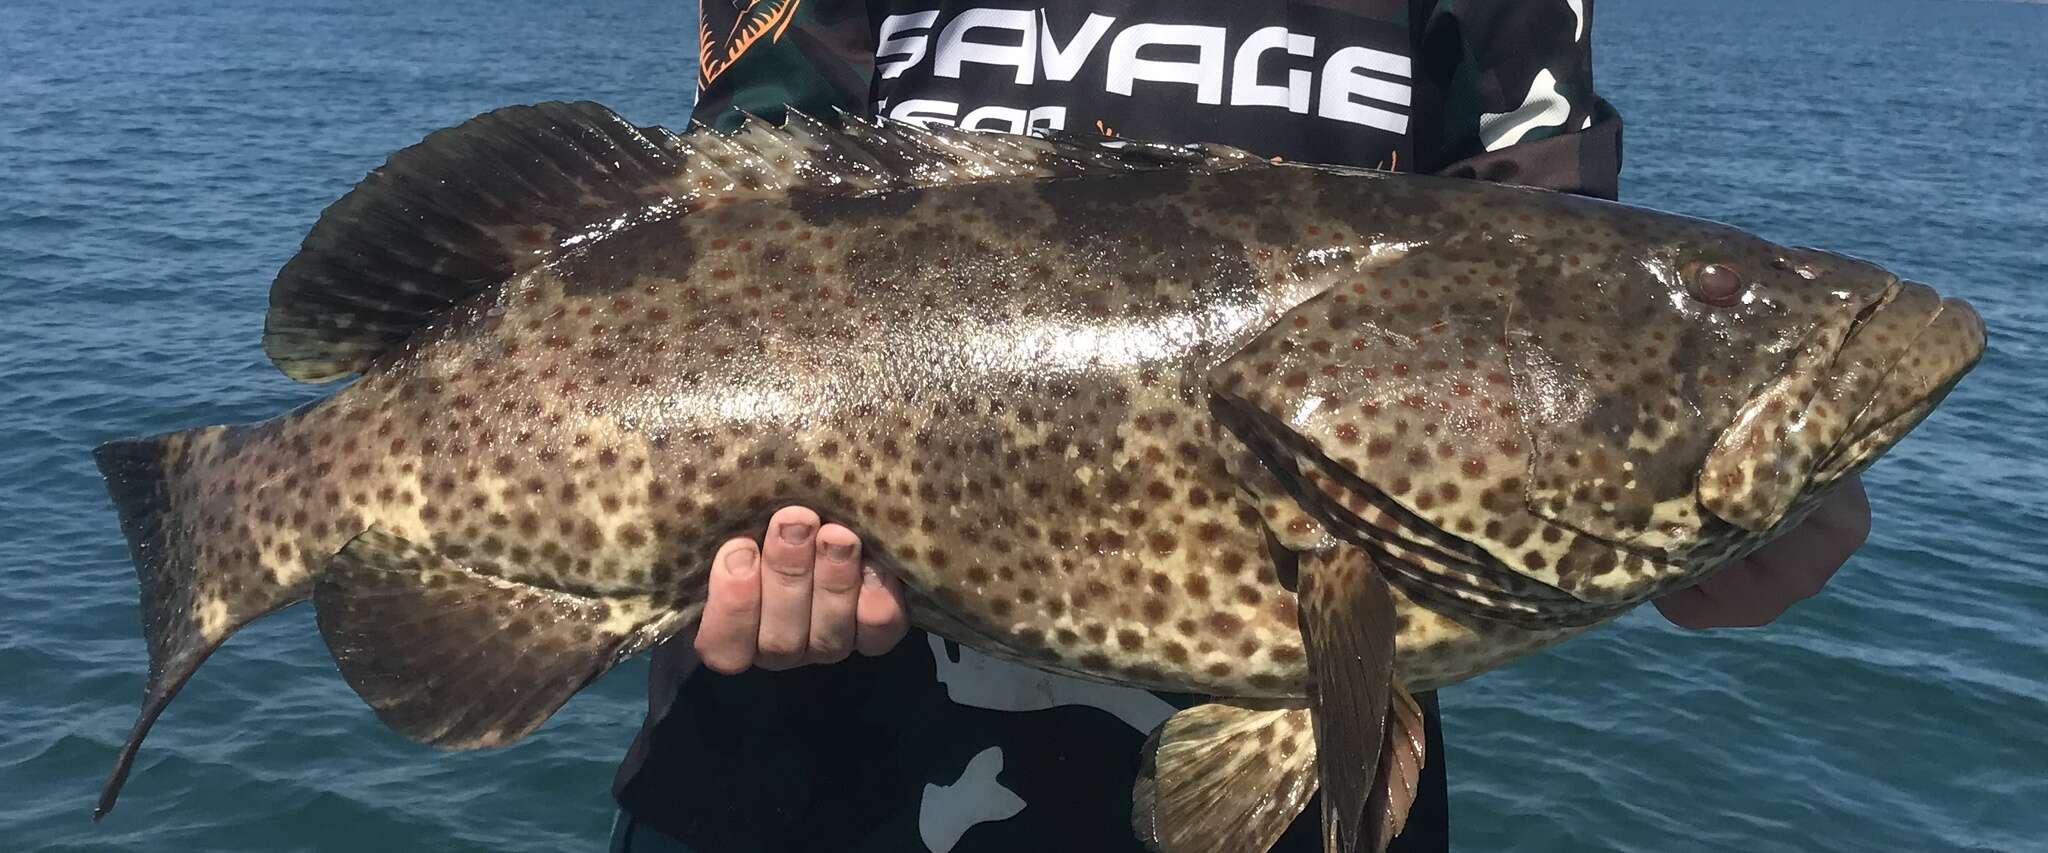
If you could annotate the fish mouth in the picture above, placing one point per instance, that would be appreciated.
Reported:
(1903, 355)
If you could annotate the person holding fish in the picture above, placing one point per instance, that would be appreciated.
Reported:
(925, 745)
(1259, 450)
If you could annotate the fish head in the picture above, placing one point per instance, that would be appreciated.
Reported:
(1879, 354)
(1605, 401)
(1735, 382)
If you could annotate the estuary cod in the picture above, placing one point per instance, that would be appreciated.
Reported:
(1299, 438)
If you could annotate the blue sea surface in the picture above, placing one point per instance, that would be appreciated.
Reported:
(159, 161)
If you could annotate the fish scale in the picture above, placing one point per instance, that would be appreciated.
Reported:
(1302, 438)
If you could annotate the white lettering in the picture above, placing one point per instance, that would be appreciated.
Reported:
(929, 112)
(992, 117)
(1205, 73)
(1045, 119)
(1245, 87)
(1342, 80)
(910, 47)
(954, 48)
(1062, 63)
(925, 112)
(1357, 84)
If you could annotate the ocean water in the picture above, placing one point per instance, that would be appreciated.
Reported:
(159, 161)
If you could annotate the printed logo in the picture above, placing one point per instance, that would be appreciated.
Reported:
(1271, 67)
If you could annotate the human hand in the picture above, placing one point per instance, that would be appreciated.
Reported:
(1795, 566)
(800, 596)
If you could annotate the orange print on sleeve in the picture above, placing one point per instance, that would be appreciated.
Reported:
(761, 17)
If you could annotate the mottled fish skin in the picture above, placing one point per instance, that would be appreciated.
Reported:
(1004, 388)
(1001, 387)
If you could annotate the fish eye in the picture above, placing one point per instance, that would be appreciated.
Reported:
(1714, 283)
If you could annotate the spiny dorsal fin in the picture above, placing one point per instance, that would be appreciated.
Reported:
(465, 209)
(472, 206)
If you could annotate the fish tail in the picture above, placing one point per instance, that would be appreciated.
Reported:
(200, 580)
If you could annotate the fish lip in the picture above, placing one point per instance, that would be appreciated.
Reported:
(1953, 309)
(1948, 308)
(1972, 318)
(1867, 421)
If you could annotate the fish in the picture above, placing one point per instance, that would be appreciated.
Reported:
(1303, 439)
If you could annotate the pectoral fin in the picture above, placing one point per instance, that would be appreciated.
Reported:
(460, 659)
(1224, 778)
(1347, 621)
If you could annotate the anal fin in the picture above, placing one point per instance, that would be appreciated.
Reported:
(1228, 777)
(1347, 624)
(1224, 778)
(459, 659)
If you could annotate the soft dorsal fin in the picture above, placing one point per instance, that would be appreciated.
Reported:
(472, 206)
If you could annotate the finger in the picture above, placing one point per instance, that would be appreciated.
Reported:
(1799, 564)
(1688, 608)
(1796, 566)
(732, 608)
(1834, 531)
(835, 594)
(882, 617)
(1738, 597)
(1846, 512)
(787, 553)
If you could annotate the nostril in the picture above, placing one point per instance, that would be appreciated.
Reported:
(1805, 271)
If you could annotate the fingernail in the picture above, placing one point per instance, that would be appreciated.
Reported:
(740, 563)
(794, 534)
(869, 576)
(839, 552)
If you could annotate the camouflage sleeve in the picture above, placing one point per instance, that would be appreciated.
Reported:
(1504, 92)
(756, 56)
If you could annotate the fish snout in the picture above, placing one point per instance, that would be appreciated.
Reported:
(1847, 398)
(1966, 325)
(1946, 340)
(1948, 348)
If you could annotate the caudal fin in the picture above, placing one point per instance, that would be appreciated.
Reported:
(200, 571)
